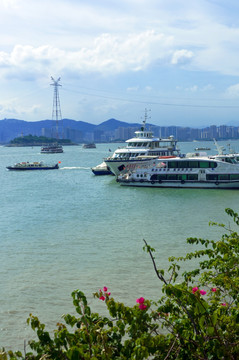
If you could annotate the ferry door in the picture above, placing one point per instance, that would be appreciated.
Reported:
(202, 175)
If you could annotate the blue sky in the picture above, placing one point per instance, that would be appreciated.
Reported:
(178, 58)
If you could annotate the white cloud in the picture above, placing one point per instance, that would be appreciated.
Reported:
(193, 88)
(196, 88)
(181, 57)
(133, 89)
(13, 107)
(10, 4)
(101, 36)
(232, 92)
(108, 54)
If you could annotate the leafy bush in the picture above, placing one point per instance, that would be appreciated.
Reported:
(196, 318)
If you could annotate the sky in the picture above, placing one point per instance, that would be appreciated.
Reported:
(177, 58)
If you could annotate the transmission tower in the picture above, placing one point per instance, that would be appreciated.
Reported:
(56, 109)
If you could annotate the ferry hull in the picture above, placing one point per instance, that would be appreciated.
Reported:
(122, 166)
(12, 168)
(101, 169)
(183, 185)
(101, 172)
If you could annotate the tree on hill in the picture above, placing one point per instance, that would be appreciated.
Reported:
(38, 140)
(196, 318)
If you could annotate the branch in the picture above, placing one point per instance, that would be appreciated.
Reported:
(160, 276)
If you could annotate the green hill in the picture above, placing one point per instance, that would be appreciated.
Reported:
(33, 140)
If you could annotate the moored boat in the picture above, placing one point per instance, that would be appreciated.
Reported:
(143, 145)
(32, 166)
(186, 172)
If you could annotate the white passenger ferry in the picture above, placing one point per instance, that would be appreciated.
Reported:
(144, 146)
(52, 149)
(188, 172)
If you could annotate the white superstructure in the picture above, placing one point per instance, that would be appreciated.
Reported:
(143, 145)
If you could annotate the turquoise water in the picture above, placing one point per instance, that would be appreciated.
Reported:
(67, 229)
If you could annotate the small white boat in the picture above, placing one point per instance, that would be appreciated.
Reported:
(101, 169)
(32, 166)
(187, 172)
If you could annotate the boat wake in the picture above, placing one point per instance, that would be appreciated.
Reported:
(75, 168)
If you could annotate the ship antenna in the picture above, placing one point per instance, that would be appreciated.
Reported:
(145, 118)
(56, 109)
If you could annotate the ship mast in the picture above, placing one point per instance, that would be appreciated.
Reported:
(56, 109)
(145, 119)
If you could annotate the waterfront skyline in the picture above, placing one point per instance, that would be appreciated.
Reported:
(176, 58)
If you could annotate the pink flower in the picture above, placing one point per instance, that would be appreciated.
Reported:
(142, 307)
(214, 289)
(203, 292)
(224, 304)
(195, 289)
(102, 298)
(140, 300)
(105, 288)
(108, 293)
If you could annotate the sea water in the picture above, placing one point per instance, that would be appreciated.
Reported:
(68, 229)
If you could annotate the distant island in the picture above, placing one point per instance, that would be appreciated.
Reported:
(33, 140)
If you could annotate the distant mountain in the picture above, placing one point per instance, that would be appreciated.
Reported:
(112, 124)
(12, 128)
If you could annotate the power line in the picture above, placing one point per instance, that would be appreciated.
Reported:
(153, 102)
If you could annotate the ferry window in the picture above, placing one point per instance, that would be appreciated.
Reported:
(183, 164)
(161, 177)
(154, 177)
(234, 176)
(193, 164)
(182, 177)
(223, 177)
(204, 164)
(213, 164)
(173, 164)
(192, 177)
(172, 177)
(231, 160)
(212, 177)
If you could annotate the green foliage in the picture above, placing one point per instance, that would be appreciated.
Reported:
(197, 318)
(31, 140)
